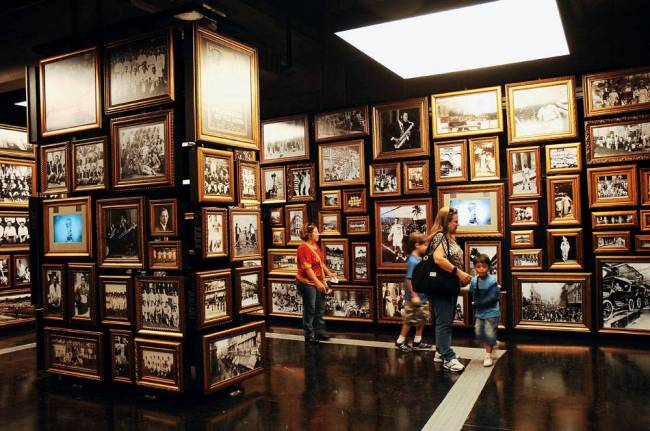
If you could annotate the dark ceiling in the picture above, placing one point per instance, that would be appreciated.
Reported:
(316, 70)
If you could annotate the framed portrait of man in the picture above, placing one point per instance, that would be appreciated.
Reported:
(400, 129)
(54, 293)
(82, 293)
(163, 217)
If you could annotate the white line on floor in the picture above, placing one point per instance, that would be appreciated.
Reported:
(17, 348)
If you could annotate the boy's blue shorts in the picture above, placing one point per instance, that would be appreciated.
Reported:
(486, 330)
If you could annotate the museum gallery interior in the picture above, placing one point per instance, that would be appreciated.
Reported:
(160, 160)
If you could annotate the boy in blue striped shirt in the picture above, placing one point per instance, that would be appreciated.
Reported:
(486, 303)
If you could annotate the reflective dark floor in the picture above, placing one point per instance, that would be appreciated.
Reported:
(343, 387)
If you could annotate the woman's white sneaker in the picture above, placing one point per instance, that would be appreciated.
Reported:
(453, 365)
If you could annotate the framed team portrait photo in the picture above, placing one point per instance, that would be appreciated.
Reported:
(285, 139)
(15, 234)
(276, 216)
(245, 234)
(284, 300)
(614, 219)
(214, 232)
(354, 201)
(522, 238)
(69, 93)
(163, 217)
(18, 182)
(484, 164)
(282, 262)
(296, 216)
(394, 221)
(563, 200)
(541, 110)
(624, 139)
(301, 183)
(75, 353)
(563, 158)
(120, 232)
(611, 241)
(524, 213)
(249, 290)
(616, 92)
(160, 306)
(122, 356)
(82, 293)
(360, 255)
(143, 150)
(552, 302)
(116, 300)
(89, 169)
(165, 255)
(350, 304)
(385, 179)
(331, 199)
(416, 177)
(612, 186)
(6, 279)
(565, 249)
(215, 175)
(329, 223)
(391, 291)
(14, 142)
(213, 298)
(273, 185)
(468, 112)
(277, 237)
(341, 164)
(139, 72)
(55, 168)
(54, 292)
(66, 227)
(220, 369)
(524, 172)
(526, 259)
(337, 253)
(226, 91)
(400, 129)
(248, 182)
(357, 225)
(480, 208)
(490, 248)
(342, 124)
(159, 364)
(451, 161)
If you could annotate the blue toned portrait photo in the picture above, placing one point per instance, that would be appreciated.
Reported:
(473, 212)
(68, 228)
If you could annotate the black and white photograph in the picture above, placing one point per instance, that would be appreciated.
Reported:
(357, 225)
(416, 176)
(524, 213)
(552, 301)
(329, 223)
(215, 302)
(563, 200)
(122, 233)
(14, 231)
(17, 308)
(360, 262)
(349, 304)
(273, 185)
(618, 140)
(249, 288)
(22, 270)
(391, 291)
(331, 200)
(612, 186)
(451, 164)
(56, 168)
(157, 364)
(285, 299)
(216, 175)
(296, 216)
(614, 92)
(73, 352)
(491, 249)
(336, 257)
(233, 355)
(400, 129)
(276, 216)
(386, 179)
(122, 356)
(159, 305)
(609, 219)
(82, 295)
(245, 234)
(341, 164)
(565, 248)
(623, 291)
(563, 158)
(611, 241)
(5, 272)
(459, 312)
(285, 139)
(541, 110)
(248, 182)
(16, 182)
(301, 183)
(89, 165)
(165, 255)
(53, 295)
(343, 124)
(522, 239)
(215, 239)
(468, 112)
(115, 299)
(139, 72)
(524, 172)
(163, 220)
(15, 143)
(484, 158)
(526, 259)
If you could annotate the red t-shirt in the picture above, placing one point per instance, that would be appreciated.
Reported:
(307, 259)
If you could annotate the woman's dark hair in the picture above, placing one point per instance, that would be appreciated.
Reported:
(306, 231)
(482, 258)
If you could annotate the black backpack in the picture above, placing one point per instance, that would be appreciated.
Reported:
(429, 278)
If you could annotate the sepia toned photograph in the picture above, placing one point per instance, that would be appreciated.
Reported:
(563, 158)
(248, 182)
(528, 259)
(120, 232)
(416, 177)
(122, 356)
(214, 297)
(451, 161)
(522, 239)
(295, 217)
(386, 179)
(276, 216)
(301, 183)
(159, 305)
(616, 92)
(139, 72)
(642, 243)
(329, 223)
(541, 110)
(277, 237)
(282, 261)
(214, 234)
(245, 234)
(331, 199)
(342, 124)
(284, 298)
(17, 182)
(159, 364)
(461, 313)
(249, 289)
(89, 164)
(624, 139)
(613, 219)
(348, 303)
(163, 217)
(22, 270)
(5, 272)
(69, 93)
(354, 201)
(216, 175)
(400, 129)
(357, 225)
(14, 142)
(53, 280)
(66, 225)
(82, 294)
(55, 168)
(524, 213)
(644, 216)
(484, 164)
(336, 252)
(468, 112)
(360, 252)
(16, 308)
(391, 298)
(165, 255)
(15, 232)
(480, 208)
(611, 242)
(285, 139)
(341, 164)
(394, 222)
(115, 299)
(273, 185)
(612, 186)
(524, 172)
(75, 353)
(226, 83)
(644, 176)
(233, 355)
(565, 248)
(563, 200)
(143, 150)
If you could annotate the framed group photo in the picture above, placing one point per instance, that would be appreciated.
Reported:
(467, 112)
(18, 182)
(152, 318)
(55, 168)
(391, 298)
(350, 304)
(400, 129)
(336, 252)
(341, 164)
(624, 139)
(116, 300)
(74, 353)
(216, 175)
(612, 186)
(89, 164)
(159, 364)
(301, 183)
(213, 298)
(616, 92)
(386, 179)
(524, 213)
(342, 124)
(285, 139)
(614, 219)
(15, 228)
(416, 177)
(563, 158)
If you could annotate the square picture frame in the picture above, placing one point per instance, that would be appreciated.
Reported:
(612, 186)
(214, 232)
(116, 305)
(215, 175)
(529, 259)
(214, 301)
(451, 161)
(247, 242)
(347, 123)
(563, 200)
(55, 168)
(480, 208)
(484, 159)
(273, 180)
(150, 289)
(354, 201)
(416, 177)
(524, 172)
(277, 237)
(467, 112)
(400, 129)
(90, 166)
(120, 233)
(284, 300)
(285, 139)
(342, 164)
(385, 179)
(67, 225)
(565, 249)
(563, 158)
(330, 199)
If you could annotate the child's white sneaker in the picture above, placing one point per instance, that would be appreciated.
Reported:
(437, 358)
(487, 362)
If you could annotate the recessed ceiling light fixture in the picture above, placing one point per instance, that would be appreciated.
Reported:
(490, 34)
(23, 104)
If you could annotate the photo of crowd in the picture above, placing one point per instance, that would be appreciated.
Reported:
(142, 151)
(348, 303)
(613, 140)
(216, 177)
(613, 186)
(285, 298)
(89, 164)
(555, 302)
(250, 290)
(385, 179)
(341, 163)
(233, 356)
(157, 364)
(73, 353)
(622, 90)
(116, 300)
(15, 183)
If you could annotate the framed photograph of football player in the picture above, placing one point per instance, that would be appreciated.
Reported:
(301, 183)
(524, 213)
(524, 172)
(416, 177)
(336, 252)
(401, 129)
(216, 175)
(214, 233)
(143, 150)
(612, 186)
(541, 110)
(69, 93)
(120, 232)
(273, 185)
(139, 72)
(82, 293)
(55, 168)
(213, 298)
(354, 201)
(329, 223)
(285, 139)
(563, 201)
(226, 91)
(54, 291)
(277, 237)
(360, 252)
(14, 142)
(89, 164)
(565, 249)
(614, 219)
(296, 216)
(563, 158)
(451, 161)
(467, 112)
(116, 299)
(386, 179)
(480, 208)
(484, 164)
(122, 356)
(342, 164)
(622, 139)
(18, 182)
(159, 364)
(248, 182)
(160, 306)
(66, 227)
(611, 241)
(75, 353)
(357, 225)
(245, 233)
(342, 124)
(163, 220)
(165, 255)
(15, 234)
(249, 290)
(331, 199)
(522, 238)
(615, 92)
